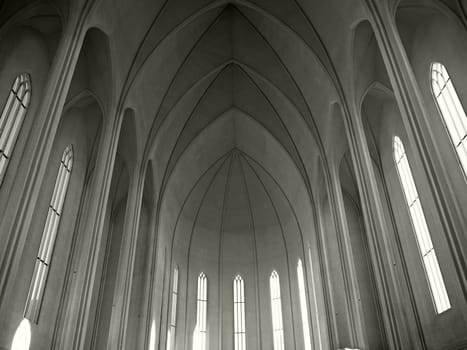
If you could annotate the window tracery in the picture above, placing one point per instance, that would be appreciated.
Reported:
(200, 333)
(276, 311)
(451, 110)
(421, 230)
(12, 118)
(49, 235)
(239, 313)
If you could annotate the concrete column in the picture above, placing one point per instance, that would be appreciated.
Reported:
(392, 304)
(79, 315)
(122, 295)
(353, 309)
(421, 137)
(50, 112)
(152, 284)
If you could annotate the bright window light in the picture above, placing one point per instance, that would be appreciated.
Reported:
(22, 338)
(173, 315)
(422, 233)
(49, 235)
(451, 110)
(152, 336)
(303, 305)
(12, 118)
(239, 313)
(200, 332)
(276, 310)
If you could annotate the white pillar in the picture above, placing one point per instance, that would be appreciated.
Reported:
(353, 308)
(122, 295)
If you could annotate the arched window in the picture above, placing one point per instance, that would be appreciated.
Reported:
(276, 310)
(239, 313)
(12, 118)
(173, 315)
(22, 338)
(49, 234)
(201, 329)
(422, 233)
(451, 110)
(303, 305)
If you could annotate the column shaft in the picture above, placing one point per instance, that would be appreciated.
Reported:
(378, 237)
(120, 314)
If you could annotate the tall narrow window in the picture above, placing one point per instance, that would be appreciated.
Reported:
(239, 313)
(276, 310)
(12, 118)
(422, 233)
(303, 305)
(44, 256)
(173, 314)
(451, 110)
(201, 329)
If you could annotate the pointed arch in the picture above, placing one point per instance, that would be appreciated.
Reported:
(451, 110)
(12, 118)
(239, 313)
(49, 235)
(422, 233)
(276, 311)
(201, 329)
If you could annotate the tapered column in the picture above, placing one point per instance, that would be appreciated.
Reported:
(49, 114)
(123, 287)
(378, 237)
(423, 142)
(351, 292)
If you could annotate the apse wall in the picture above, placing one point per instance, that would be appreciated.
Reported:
(234, 229)
(226, 214)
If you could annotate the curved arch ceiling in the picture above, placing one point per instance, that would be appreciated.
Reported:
(221, 60)
(258, 72)
(224, 173)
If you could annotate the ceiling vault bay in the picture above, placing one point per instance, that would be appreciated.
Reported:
(184, 55)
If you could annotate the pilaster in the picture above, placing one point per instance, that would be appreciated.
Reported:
(84, 288)
(120, 314)
(354, 311)
(377, 235)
